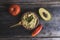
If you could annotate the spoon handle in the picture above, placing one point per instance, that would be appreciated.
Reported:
(15, 25)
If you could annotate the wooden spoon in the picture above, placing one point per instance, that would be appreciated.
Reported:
(16, 24)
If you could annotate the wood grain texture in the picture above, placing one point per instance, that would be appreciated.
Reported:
(28, 0)
(29, 38)
(50, 29)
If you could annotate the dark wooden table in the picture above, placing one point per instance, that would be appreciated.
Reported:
(50, 31)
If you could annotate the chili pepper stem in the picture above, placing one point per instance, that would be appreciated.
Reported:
(15, 25)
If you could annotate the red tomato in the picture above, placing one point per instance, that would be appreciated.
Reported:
(37, 30)
(14, 9)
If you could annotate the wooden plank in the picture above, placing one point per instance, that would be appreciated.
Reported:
(5, 1)
(29, 38)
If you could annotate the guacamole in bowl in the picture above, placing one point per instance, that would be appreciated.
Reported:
(30, 20)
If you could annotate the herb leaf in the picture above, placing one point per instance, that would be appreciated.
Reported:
(29, 18)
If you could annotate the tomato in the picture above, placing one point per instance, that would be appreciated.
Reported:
(37, 30)
(14, 9)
